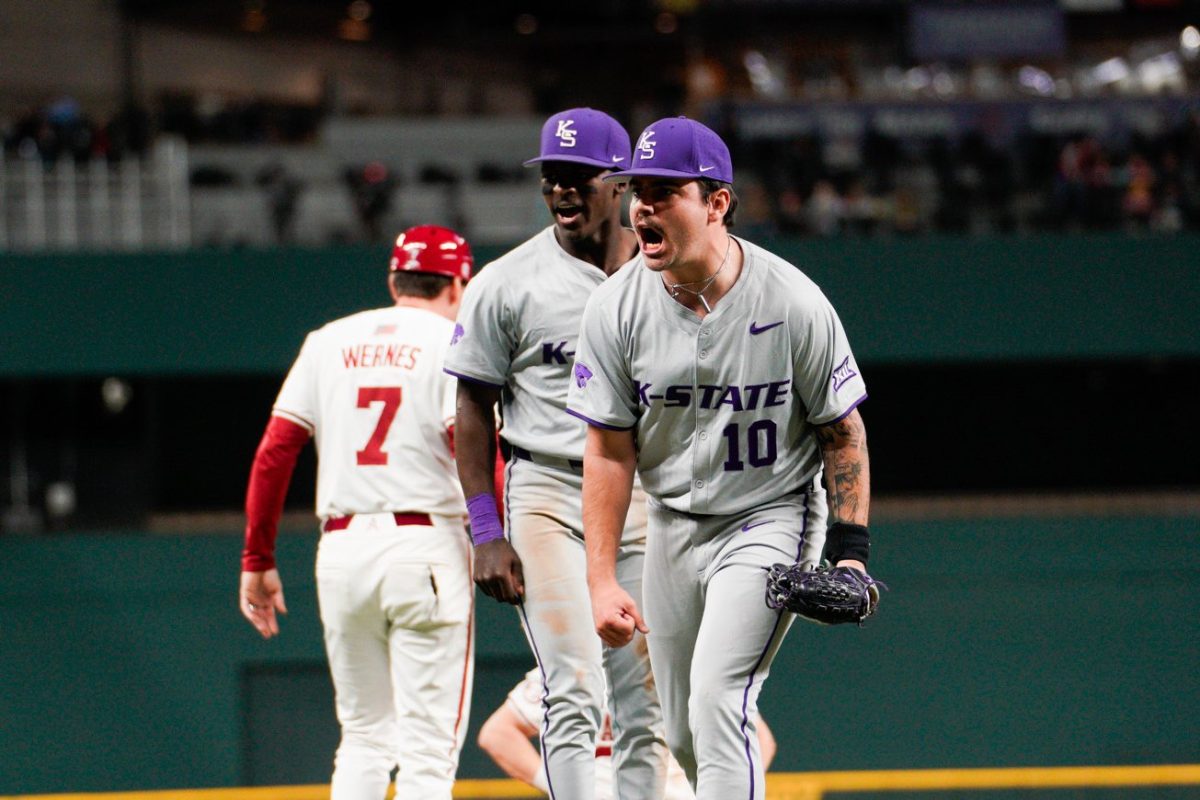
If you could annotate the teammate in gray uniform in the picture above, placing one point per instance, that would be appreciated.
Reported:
(723, 376)
(513, 344)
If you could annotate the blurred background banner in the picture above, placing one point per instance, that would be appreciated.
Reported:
(1013, 30)
(1001, 199)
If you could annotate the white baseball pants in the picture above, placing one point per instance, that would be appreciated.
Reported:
(397, 607)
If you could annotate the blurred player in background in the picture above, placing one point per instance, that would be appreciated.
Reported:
(513, 345)
(722, 375)
(505, 736)
(394, 559)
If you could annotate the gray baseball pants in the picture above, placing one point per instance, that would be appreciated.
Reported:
(544, 522)
(712, 637)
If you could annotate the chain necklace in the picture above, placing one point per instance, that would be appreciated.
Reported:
(676, 288)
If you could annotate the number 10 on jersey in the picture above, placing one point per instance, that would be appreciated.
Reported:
(761, 449)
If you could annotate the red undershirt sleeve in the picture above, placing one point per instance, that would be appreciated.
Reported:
(269, 478)
(499, 479)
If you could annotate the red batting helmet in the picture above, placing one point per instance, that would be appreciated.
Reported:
(432, 248)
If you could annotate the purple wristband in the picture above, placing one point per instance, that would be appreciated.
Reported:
(485, 522)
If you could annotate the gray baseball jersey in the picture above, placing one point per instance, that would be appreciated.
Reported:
(712, 400)
(516, 330)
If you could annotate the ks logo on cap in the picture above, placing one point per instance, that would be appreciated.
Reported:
(679, 148)
(565, 133)
(646, 145)
(583, 136)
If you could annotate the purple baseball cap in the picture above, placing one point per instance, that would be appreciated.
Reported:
(678, 147)
(584, 136)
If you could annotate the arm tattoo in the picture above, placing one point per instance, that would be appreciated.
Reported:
(847, 469)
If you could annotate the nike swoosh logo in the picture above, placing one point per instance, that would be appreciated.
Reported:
(706, 169)
(618, 158)
(756, 524)
(755, 330)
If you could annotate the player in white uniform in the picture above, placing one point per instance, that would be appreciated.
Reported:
(513, 345)
(722, 374)
(394, 559)
(505, 735)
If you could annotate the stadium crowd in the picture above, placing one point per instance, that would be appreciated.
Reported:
(808, 186)
(805, 185)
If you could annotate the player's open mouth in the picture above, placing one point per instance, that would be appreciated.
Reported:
(567, 213)
(651, 240)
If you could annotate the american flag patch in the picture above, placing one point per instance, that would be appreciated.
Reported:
(385, 330)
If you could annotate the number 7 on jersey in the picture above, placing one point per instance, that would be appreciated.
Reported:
(373, 454)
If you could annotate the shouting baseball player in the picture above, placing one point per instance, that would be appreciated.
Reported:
(394, 559)
(722, 374)
(505, 735)
(513, 344)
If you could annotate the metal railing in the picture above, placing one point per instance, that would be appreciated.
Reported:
(135, 203)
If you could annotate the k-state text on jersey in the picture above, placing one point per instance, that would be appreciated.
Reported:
(402, 356)
(738, 398)
(556, 353)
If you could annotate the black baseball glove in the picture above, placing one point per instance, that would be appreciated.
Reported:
(828, 595)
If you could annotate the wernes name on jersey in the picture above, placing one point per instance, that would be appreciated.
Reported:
(401, 356)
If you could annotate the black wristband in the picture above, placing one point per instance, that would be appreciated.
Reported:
(844, 540)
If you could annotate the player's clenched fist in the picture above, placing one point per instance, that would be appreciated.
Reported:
(498, 571)
(615, 614)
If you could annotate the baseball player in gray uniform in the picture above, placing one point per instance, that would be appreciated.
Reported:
(723, 376)
(513, 345)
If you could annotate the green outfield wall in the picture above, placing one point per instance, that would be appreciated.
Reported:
(903, 300)
(124, 663)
